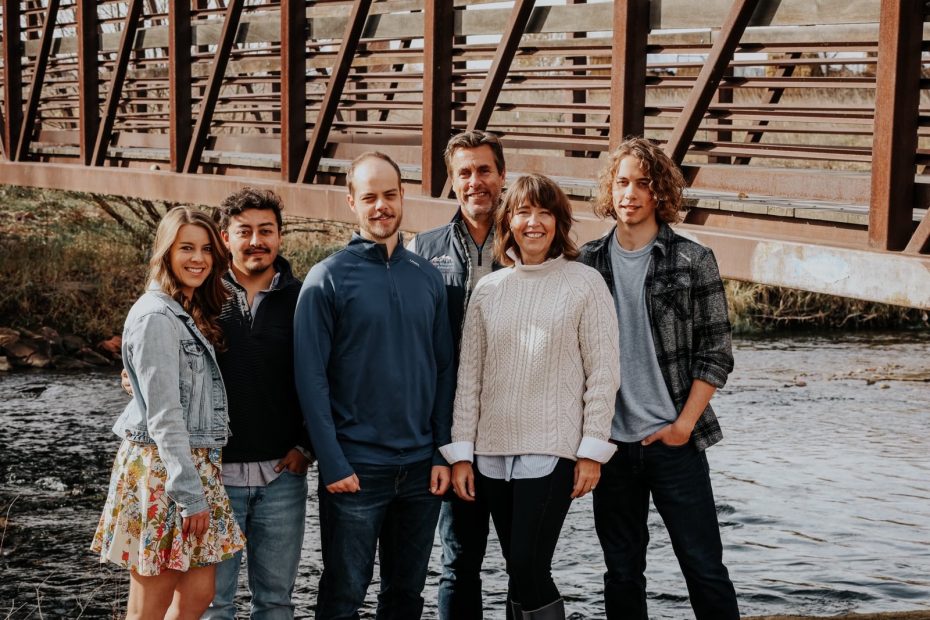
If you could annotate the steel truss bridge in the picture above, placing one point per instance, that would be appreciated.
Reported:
(802, 125)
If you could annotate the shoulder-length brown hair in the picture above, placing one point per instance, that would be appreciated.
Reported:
(665, 180)
(541, 191)
(207, 301)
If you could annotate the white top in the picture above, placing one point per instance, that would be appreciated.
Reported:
(540, 365)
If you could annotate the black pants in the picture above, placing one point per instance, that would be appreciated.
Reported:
(678, 480)
(528, 516)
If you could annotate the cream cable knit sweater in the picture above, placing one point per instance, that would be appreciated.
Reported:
(540, 361)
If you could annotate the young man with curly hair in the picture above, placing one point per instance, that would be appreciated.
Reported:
(675, 352)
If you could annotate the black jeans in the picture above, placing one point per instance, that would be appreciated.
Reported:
(679, 481)
(528, 516)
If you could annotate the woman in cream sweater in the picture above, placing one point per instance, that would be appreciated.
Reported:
(538, 376)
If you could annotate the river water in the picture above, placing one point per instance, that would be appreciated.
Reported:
(822, 485)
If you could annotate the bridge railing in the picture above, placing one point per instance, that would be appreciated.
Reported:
(791, 119)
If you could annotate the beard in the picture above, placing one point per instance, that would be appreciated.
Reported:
(256, 264)
(381, 229)
(478, 210)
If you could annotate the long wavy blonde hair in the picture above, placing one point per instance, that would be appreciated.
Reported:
(205, 305)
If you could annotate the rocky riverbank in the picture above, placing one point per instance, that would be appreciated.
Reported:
(46, 348)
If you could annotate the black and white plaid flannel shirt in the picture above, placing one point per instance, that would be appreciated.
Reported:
(688, 314)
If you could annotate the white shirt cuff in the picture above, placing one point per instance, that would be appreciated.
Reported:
(595, 449)
(458, 451)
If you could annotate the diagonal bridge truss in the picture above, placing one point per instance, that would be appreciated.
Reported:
(803, 126)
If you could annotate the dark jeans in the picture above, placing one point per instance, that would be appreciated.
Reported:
(395, 512)
(679, 481)
(463, 529)
(528, 516)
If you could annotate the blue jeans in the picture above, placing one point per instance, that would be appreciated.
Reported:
(394, 512)
(679, 480)
(272, 519)
(463, 529)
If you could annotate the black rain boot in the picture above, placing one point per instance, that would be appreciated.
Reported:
(514, 611)
(553, 611)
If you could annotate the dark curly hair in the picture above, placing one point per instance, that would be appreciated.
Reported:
(665, 179)
(245, 199)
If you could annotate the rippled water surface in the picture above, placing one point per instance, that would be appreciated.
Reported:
(822, 485)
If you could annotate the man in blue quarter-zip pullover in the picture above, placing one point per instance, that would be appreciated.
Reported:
(373, 362)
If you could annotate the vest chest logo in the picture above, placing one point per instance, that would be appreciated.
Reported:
(444, 263)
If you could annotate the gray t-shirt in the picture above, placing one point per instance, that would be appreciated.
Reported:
(643, 402)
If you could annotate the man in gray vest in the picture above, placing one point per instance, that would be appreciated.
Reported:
(462, 250)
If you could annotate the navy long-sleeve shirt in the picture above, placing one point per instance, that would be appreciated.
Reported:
(373, 359)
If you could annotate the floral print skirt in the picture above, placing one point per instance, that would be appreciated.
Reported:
(140, 527)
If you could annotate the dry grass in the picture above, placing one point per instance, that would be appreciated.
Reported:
(755, 308)
(64, 265)
(68, 265)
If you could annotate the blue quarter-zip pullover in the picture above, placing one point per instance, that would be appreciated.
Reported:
(373, 359)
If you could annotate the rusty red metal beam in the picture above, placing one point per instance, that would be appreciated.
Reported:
(818, 264)
(894, 144)
(127, 39)
(628, 70)
(438, 20)
(215, 82)
(500, 66)
(772, 98)
(840, 187)
(293, 87)
(88, 66)
(497, 74)
(722, 97)
(38, 78)
(920, 240)
(179, 81)
(709, 78)
(337, 80)
(392, 88)
(12, 76)
(580, 95)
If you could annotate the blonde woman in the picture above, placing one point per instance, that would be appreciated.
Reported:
(167, 517)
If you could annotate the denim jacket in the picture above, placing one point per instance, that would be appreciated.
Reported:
(687, 310)
(179, 400)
